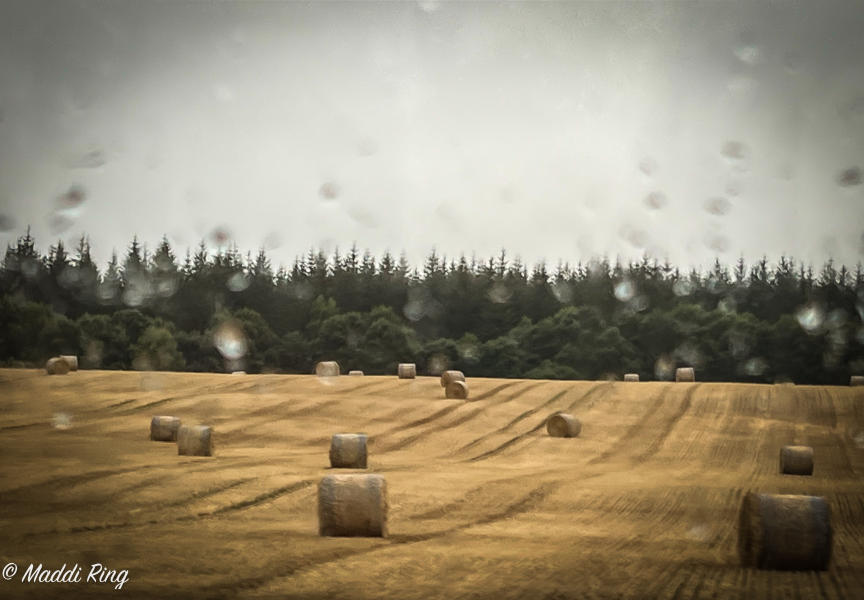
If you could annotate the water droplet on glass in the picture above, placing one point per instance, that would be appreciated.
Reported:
(689, 353)
(733, 188)
(220, 236)
(682, 287)
(329, 190)
(718, 243)
(734, 150)
(61, 420)
(237, 282)
(563, 291)
(648, 166)
(229, 340)
(468, 351)
(7, 223)
(414, 310)
(727, 305)
(718, 206)
(624, 290)
(437, 364)
(636, 237)
(655, 200)
(849, 177)
(810, 317)
(664, 367)
(755, 366)
(499, 293)
(748, 54)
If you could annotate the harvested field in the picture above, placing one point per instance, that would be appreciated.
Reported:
(482, 502)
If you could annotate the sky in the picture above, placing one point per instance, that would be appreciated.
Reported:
(559, 131)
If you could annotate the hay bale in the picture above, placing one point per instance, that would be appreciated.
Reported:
(238, 372)
(327, 368)
(685, 374)
(357, 373)
(563, 425)
(57, 366)
(456, 389)
(348, 451)
(856, 380)
(407, 371)
(796, 460)
(631, 377)
(195, 440)
(164, 429)
(448, 376)
(352, 506)
(72, 360)
(784, 532)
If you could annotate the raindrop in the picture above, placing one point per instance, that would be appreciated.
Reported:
(733, 188)
(237, 282)
(727, 305)
(414, 310)
(836, 319)
(220, 236)
(7, 223)
(689, 353)
(89, 160)
(625, 290)
(718, 243)
(437, 364)
(655, 200)
(362, 216)
(58, 223)
(468, 351)
(648, 166)
(73, 197)
(61, 420)
(639, 303)
(166, 286)
(810, 317)
(329, 190)
(499, 293)
(755, 366)
(718, 206)
(748, 54)
(230, 341)
(93, 354)
(682, 287)
(664, 367)
(562, 291)
(302, 291)
(636, 237)
(700, 533)
(142, 363)
(849, 177)
(734, 150)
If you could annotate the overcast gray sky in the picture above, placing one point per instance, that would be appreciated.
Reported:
(556, 130)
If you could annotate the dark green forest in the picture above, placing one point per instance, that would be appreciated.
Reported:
(218, 310)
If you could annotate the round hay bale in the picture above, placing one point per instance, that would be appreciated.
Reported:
(164, 429)
(856, 380)
(327, 368)
(72, 360)
(631, 377)
(348, 451)
(238, 372)
(685, 374)
(195, 440)
(784, 532)
(407, 371)
(456, 389)
(57, 366)
(448, 376)
(796, 460)
(352, 506)
(563, 425)
(356, 373)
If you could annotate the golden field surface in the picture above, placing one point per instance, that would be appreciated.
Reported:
(483, 503)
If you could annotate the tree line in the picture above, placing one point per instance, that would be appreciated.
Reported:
(216, 310)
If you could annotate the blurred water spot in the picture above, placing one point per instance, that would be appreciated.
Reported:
(165, 286)
(219, 236)
(636, 237)
(362, 216)
(237, 282)
(682, 287)
(717, 242)
(229, 340)
(718, 206)
(739, 344)
(92, 159)
(68, 278)
(302, 290)
(73, 197)
(849, 177)
(499, 293)
(755, 366)
(272, 241)
(700, 533)
(836, 319)
(142, 363)
(648, 166)
(367, 147)
(734, 150)
(7, 223)
(151, 382)
(624, 290)
(858, 438)
(655, 200)
(727, 305)
(93, 353)
(689, 353)
(329, 190)
(61, 420)
(733, 188)
(664, 367)
(563, 291)
(437, 364)
(810, 318)
(748, 54)
(468, 351)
